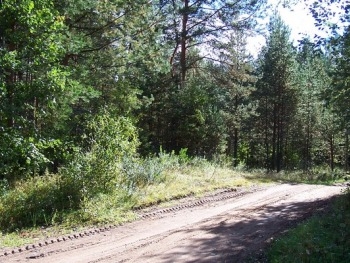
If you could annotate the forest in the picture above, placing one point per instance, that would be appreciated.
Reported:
(91, 88)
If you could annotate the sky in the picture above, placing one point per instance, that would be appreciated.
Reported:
(299, 20)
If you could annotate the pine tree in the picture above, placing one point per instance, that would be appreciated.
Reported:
(199, 24)
(277, 96)
(61, 63)
(234, 76)
(313, 81)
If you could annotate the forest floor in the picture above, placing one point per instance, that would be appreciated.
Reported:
(232, 225)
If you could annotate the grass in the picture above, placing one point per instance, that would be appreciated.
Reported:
(323, 238)
(22, 237)
(195, 181)
(322, 176)
(113, 207)
(54, 205)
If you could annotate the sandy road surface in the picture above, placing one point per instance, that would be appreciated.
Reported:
(226, 227)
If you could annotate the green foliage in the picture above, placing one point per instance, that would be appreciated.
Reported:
(21, 156)
(195, 127)
(137, 173)
(60, 64)
(277, 98)
(183, 156)
(36, 202)
(321, 239)
(4, 187)
(36, 91)
(311, 120)
(184, 20)
(43, 200)
(339, 93)
(70, 198)
(169, 161)
(114, 207)
(110, 140)
(197, 121)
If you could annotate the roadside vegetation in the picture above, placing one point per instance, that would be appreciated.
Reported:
(111, 106)
(52, 205)
(107, 183)
(323, 238)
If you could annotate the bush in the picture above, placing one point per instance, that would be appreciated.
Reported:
(141, 172)
(36, 202)
(169, 160)
(4, 187)
(98, 170)
(21, 157)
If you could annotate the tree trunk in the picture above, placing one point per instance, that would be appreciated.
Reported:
(331, 146)
(183, 41)
(274, 139)
(10, 80)
(235, 148)
(267, 148)
(235, 142)
(347, 150)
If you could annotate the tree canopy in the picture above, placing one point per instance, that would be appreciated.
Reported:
(176, 73)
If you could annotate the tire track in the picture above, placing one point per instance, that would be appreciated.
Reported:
(163, 232)
(221, 195)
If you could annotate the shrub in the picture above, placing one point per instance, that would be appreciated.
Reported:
(4, 187)
(21, 157)
(110, 140)
(141, 172)
(36, 202)
(169, 160)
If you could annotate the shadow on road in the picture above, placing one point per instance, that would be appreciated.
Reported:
(237, 237)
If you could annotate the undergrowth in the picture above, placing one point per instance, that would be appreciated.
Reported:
(317, 175)
(109, 181)
(57, 203)
(323, 238)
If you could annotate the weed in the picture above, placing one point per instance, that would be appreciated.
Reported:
(140, 172)
(113, 208)
(314, 176)
(323, 238)
(75, 197)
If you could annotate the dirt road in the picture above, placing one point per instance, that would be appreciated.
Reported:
(224, 227)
